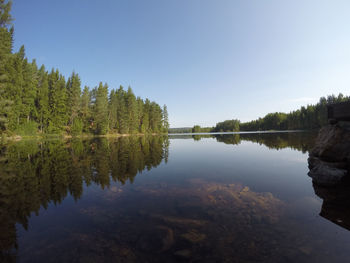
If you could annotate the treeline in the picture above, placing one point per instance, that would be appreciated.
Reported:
(180, 130)
(198, 128)
(305, 118)
(310, 117)
(34, 100)
(227, 126)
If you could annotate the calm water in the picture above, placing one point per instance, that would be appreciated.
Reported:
(222, 198)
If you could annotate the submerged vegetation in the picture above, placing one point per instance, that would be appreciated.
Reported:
(36, 101)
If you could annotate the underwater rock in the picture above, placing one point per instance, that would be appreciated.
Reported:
(336, 204)
(329, 160)
(325, 174)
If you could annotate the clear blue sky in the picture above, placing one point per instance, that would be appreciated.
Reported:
(207, 60)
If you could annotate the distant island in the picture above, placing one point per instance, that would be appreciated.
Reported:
(311, 117)
(35, 102)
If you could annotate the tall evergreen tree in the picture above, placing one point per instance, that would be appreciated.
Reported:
(6, 40)
(131, 107)
(85, 108)
(145, 128)
(113, 111)
(29, 90)
(165, 119)
(6, 30)
(42, 99)
(14, 87)
(73, 98)
(122, 111)
(57, 102)
(101, 109)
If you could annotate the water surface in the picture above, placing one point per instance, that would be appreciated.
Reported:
(200, 198)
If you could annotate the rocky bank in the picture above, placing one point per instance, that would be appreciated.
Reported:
(329, 160)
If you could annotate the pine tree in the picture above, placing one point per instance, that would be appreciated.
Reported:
(155, 117)
(6, 31)
(101, 109)
(29, 90)
(165, 119)
(57, 102)
(140, 108)
(73, 99)
(14, 87)
(145, 126)
(42, 99)
(131, 107)
(6, 37)
(122, 111)
(113, 110)
(85, 109)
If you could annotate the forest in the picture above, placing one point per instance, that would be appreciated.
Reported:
(34, 100)
(311, 117)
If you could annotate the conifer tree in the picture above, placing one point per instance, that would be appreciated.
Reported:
(101, 109)
(29, 90)
(6, 39)
(165, 119)
(85, 109)
(140, 108)
(113, 111)
(42, 99)
(73, 99)
(6, 30)
(57, 102)
(131, 107)
(145, 128)
(14, 87)
(122, 111)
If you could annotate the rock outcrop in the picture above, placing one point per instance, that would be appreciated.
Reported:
(329, 160)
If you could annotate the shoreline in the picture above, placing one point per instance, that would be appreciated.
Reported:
(16, 138)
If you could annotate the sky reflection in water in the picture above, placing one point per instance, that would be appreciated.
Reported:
(228, 198)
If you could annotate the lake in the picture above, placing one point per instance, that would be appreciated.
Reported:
(182, 198)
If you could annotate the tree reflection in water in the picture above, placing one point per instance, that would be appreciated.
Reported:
(199, 220)
(36, 173)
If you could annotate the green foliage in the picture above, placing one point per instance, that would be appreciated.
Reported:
(101, 109)
(165, 119)
(77, 127)
(5, 16)
(29, 128)
(57, 102)
(42, 99)
(180, 130)
(73, 99)
(227, 126)
(196, 128)
(30, 95)
(85, 109)
(306, 118)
